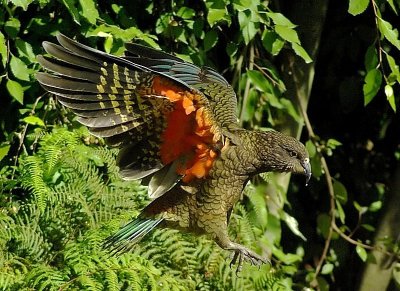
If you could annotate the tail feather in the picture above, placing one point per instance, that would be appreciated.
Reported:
(130, 234)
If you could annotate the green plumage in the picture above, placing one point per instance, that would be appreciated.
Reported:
(117, 99)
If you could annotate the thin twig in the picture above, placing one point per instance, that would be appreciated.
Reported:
(332, 211)
(247, 88)
(22, 136)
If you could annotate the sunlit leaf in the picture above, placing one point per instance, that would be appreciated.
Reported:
(390, 96)
(327, 269)
(280, 19)
(390, 33)
(4, 151)
(34, 120)
(19, 68)
(11, 27)
(272, 42)
(22, 3)
(394, 67)
(361, 252)
(293, 224)
(357, 6)
(3, 50)
(372, 84)
(186, 12)
(361, 209)
(89, 10)
(16, 91)
(247, 26)
(287, 33)
(217, 11)
(301, 52)
(340, 212)
(70, 5)
(333, 143)
(375, 206)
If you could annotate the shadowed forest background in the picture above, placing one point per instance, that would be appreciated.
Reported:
(326, 72)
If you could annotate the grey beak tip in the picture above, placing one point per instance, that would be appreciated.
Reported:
(307, 171)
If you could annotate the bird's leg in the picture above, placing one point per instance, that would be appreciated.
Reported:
(240, 251)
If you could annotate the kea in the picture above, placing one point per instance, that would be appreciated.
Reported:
(177, 129)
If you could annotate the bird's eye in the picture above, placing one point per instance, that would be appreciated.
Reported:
(293, 154)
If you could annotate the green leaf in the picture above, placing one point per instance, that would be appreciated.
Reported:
(323, 224)
(251, 105)
(393, 67)
(390, 96)
(25, 50)
(71, 7)
(290, 108)
(89, 10)
(357, 6)
(327, 269)
(371, 58)
(333, 143)
(4, 151)
(293, 224)
(368, 227)
(361, 252)
(186, 13)
(231, 49)
(311, 148)
(272, 42)
(248, 27)
(287, 33)
(217, 12)
(340, 192)
(210, 40)
(259, 81)
(242, 5)
(340, 212)
(392, 35)
(198, 28)
(22, 3)
(316, 166)
(375, 206)
(12, 27)
(301, 52)
(372, 84)
(280, 19)
(15, 90)
(19, 68)
(3, 50)
(360, 209)
(34, 120)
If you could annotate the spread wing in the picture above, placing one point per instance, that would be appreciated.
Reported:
(220, 94)
(166, 122)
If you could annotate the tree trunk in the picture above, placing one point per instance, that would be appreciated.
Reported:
(298, 76)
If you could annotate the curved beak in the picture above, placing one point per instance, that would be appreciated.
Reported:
(307, 169)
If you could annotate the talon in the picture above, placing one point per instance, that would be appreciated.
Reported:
(234, 259)
(240, 252)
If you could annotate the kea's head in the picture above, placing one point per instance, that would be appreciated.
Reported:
(283, 153)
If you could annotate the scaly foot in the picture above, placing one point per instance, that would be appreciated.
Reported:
(241, 253)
